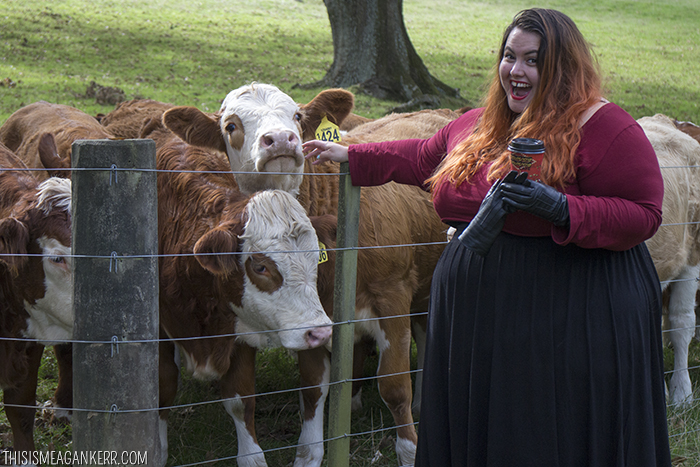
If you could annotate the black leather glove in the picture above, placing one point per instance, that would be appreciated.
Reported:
(488, 222)
(538, 199)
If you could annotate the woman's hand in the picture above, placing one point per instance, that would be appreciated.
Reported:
(538, 199)
(322, 151)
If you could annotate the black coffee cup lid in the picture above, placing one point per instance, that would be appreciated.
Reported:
(526, 146)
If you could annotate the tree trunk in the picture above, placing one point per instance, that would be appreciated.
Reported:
(371, 48)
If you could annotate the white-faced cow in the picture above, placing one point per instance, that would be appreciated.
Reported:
(42, 135)
(260, 129)
(35, 284)
(675, 248)
(206, 289)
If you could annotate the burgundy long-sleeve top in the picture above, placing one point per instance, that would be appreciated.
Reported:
(614, 202)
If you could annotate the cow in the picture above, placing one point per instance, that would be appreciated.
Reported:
(675, 248)
(42, 135)
(36, 293)
(260, 128)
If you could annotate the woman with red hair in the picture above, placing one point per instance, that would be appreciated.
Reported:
(544, 333)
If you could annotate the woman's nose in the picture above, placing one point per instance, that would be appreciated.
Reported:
(517, 69)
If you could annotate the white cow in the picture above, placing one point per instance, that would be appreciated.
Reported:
(675, 248)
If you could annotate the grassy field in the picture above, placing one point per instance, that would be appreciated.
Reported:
(194, 53)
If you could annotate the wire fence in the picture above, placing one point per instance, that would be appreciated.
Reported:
(690, 429)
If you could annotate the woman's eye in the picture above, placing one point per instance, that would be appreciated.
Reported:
(231, 127)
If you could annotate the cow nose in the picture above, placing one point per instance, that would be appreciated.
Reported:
(278, 138)
(319, 336)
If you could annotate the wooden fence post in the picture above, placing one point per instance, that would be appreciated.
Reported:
(340, 393)
(115, 299)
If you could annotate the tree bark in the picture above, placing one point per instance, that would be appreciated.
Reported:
(371, 48)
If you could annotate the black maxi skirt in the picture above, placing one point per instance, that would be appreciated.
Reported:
(545, 356)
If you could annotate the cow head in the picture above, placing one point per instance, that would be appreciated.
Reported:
(280, 303)
(260, 128)
(37, 240)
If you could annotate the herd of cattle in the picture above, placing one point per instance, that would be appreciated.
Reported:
(237, 181)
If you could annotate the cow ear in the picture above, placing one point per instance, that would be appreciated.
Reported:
(14, 238)
(208, 248)
(150, 126)
(195, 127)
(336, 104)
(50, 159)
(326, 228)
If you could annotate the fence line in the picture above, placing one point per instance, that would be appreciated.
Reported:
(341, 323)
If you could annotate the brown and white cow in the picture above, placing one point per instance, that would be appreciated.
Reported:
(231, 263)
(260, 129)
(36, 295)
(42, 135)
(675, 248)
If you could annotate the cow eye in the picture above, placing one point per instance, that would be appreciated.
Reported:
(231, 127)
(297, 117)
(259, 268)
(57, 259)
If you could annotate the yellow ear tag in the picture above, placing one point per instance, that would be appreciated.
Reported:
(328, 131)
(322, 254)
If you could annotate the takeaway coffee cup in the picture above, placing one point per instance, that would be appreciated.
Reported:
(526, 156)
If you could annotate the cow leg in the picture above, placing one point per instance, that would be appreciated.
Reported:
(22, 418)
(168, 373)
(364, 347)
(315, 371)
(63, 396)
(395, 390)
(419, 330)
(238, 387)
(681, 315)
(697, 318)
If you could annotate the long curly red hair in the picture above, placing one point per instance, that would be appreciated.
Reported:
(569, 84)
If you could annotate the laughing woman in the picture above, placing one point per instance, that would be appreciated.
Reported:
(544, 338)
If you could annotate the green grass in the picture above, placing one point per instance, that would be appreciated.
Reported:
(194, 53)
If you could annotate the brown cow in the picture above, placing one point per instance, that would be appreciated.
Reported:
(35, 284)
(42, 135)
(260, 128)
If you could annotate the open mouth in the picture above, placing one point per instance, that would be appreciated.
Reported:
(519, 90)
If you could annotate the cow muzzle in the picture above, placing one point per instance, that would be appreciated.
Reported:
(280, 152)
